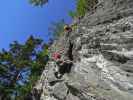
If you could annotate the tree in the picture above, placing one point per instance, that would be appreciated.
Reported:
(18, 57)
(38, 2)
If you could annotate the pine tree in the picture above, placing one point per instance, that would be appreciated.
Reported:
(18, 57)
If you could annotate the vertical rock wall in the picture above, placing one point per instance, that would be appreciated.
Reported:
(102, 54)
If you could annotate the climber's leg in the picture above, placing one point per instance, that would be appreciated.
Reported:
(57, 72)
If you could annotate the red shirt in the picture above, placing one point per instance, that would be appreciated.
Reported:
(56, 56)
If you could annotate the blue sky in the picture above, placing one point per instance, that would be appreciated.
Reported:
(19, 19)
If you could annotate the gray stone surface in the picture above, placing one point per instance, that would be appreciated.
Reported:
(103, 57)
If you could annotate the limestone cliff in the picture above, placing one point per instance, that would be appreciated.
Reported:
(102, 51)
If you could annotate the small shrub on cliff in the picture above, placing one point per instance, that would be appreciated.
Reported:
(82, 7)
(73, 14)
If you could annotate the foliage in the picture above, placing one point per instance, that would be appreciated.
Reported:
(57, 28)
(18, 57)
(38, 2)
(24, 90)
(73, 14)
(82, 7)
(74, 26)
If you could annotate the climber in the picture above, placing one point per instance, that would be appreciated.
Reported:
(57, 57)
(64, 66)
(67, 30)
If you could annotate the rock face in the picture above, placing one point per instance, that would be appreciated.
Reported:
(102, 52)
